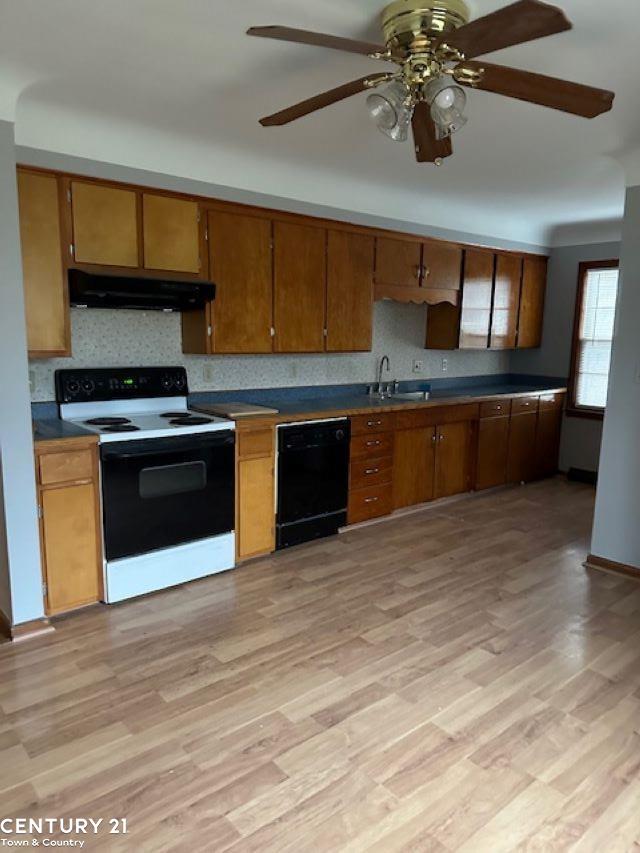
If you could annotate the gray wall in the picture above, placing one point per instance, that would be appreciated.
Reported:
(16, 444)
(616, 531)
(581, 438)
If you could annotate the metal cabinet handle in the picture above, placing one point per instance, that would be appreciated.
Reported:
(370, 500)
(441, 438)
(374, 423)
(373, 443)
(418, 270)
(498, 408)
(372, 471)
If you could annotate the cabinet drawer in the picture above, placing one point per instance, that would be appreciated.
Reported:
(550, 402)
(495, 408)
(362, 424)
(370, 502)
(371, 446)
(370, 472)
(66, 467)
(257, 442)
(524, 404)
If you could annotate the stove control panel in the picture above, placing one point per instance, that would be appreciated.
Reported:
(120, 383)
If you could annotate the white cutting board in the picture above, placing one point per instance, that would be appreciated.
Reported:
(235, 410)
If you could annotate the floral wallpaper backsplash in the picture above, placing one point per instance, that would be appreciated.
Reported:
(122, 338)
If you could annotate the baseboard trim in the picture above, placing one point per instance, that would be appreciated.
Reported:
(603, 565)
(31, 630)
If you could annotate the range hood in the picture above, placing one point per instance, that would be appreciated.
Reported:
(87, 290)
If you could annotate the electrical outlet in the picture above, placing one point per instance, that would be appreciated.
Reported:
(208, 373)
(418, 366)
(445, 365)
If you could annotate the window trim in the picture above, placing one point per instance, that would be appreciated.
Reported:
(573, 408)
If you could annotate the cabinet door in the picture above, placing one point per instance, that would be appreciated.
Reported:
(413, 466)
(506, 302)
(240, 264)
(477, 288)
(521, 462)
(105, 225)
(71, 547)
(299, 270)
(534, 285)
(45, 291)
(349, 291)
(171, 232)
(398, 262)
(442, 266)
(453, 459)
(548, 442)
(493, 444)
(256, 508)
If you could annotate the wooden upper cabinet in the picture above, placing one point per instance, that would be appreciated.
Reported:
(349, 291)
(171, 233)
(105, 225)
(534, 285)
(398, 262)
(477, 289)
(46, 299)
(442, 265)
(240, 264)
(299, 287)
(506, 302)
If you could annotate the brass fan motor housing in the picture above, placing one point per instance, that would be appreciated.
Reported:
(409, 26)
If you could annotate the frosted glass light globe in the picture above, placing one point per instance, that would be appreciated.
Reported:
(446, 98)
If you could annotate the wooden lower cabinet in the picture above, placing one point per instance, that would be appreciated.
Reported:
(453, 459)
(413, 466)
(493, 445)
(548, 442)
(70, 527)
(521, 462)
(255, 492)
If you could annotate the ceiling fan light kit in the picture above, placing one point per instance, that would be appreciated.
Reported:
(434, 45)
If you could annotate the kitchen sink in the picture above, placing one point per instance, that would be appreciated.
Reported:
(412, 395)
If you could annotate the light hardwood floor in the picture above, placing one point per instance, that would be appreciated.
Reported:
(453, 680)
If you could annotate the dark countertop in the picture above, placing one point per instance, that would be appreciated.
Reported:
(54, 429)
(335, 404)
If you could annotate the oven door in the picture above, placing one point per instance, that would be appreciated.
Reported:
(158, 492)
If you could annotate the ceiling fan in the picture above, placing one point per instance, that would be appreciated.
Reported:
(435, 45)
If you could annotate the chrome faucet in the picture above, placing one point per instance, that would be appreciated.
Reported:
(383, 360)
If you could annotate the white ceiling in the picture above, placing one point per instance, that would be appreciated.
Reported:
(177, 87)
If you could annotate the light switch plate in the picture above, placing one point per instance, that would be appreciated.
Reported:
(208, 373)
(418, 366)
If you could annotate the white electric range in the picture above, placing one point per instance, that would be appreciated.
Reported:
(167, 476)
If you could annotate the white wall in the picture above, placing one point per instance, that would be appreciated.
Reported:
(580, 446)
(103, 338)
(616, 531)
(16, 443)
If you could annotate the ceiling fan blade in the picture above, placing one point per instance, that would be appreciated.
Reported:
(319, 102)
(317, 39)
(539, 89)
(428, 147)
(520, 22)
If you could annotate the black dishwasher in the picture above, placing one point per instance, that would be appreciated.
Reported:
(313, 480)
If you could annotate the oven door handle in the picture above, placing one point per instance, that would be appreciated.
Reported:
(159, 447)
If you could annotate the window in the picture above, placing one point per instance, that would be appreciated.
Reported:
(593, 336)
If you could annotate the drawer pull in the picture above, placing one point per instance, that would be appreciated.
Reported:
(370, 500)
(374, 423)
(372, 470)
(373, 443)
(498, 408)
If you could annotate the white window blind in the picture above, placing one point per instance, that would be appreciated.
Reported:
(600, 290)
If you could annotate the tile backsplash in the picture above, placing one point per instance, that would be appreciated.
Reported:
(105, 338)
